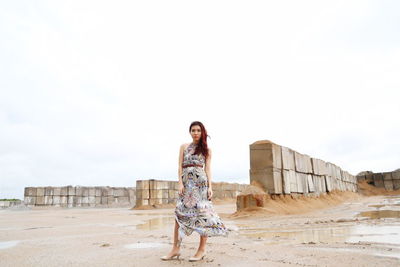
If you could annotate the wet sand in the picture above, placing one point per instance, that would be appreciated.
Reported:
(360, 231)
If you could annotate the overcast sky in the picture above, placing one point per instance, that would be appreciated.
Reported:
(103, 93)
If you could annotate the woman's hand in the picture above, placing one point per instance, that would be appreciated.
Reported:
(209, 193)
(181, 188)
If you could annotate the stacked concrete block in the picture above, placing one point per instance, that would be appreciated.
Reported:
(388, 180)
(378, 179)
(266, 164)
(79, 196)
(158, 192)
(319, 166)
(303, 163)
(396, 180)
(4, 204)
(292, 172)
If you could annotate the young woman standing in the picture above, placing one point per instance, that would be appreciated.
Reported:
(194, 210)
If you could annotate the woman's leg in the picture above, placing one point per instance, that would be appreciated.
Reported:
(176, 246)
(202, 246)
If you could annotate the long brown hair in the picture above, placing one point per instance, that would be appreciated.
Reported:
(202, 146)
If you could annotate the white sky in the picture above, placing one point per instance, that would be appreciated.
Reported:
(102, 93)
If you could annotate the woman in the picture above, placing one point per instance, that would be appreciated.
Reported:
(194, 210)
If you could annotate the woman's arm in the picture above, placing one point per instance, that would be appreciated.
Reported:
(208, 168)
(180, 182)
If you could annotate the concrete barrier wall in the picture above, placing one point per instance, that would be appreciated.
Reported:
(389, 180)
(80, 196)
(9, 203)
(158, 192)
(281, 170)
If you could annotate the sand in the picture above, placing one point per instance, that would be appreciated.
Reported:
(289, 232)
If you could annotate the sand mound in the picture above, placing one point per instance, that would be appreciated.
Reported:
(370, 190)
(286, 204)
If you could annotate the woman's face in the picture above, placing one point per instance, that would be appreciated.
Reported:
(195, 132)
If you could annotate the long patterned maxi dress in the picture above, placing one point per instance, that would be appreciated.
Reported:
(194, 212)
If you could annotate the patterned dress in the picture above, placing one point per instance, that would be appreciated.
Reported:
(194, 212)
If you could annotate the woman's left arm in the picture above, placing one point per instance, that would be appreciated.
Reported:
(208, 172)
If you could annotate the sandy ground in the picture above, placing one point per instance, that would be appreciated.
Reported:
(360, 230)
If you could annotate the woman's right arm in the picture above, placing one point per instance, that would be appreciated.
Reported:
(180, 183)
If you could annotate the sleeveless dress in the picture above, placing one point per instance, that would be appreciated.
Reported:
(194, 212)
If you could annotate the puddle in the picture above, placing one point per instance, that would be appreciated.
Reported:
(352, 234)
(156, 223)
(383, 205)
(144, 245)
(8, 244)
(354, 250)
(378, 214)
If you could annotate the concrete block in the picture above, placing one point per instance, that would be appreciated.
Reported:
(104, 191)
(142, 184)
(142, 202)
(78, 191)
(265, 154)
(48, 191)
(388, 184)
(396, 175)
(132, 194)
(156, 193)
(92, 199)
(310, 183)
(30, 191)
(123, 200)
(142, 193)
(270, 178)
(396, 184)
(155, 201)
(318, 166)
(85, 192)
(71, 191)
(165, 193)
(97, 192)
(112, 200)
(57, 200)
(110, 191)
(119, 192)
(289, 181)
(64, 191)
(288, 159)
(48, 200)
(317, 184)
(40, 192)
(85, 199)
(172, 201)
(64, 200)
(40, 200)
(300, 181)
(323, 184)
(92, 192)
(158, 184)
(302, 163)
(387, 176)
(104, 200)
(70, 200)
(378, 179)
(57, 191)
(30, 201)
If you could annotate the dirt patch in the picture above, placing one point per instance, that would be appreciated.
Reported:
(287, 204)
(370, 190)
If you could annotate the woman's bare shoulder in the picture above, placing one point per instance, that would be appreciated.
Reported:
(185, 145)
